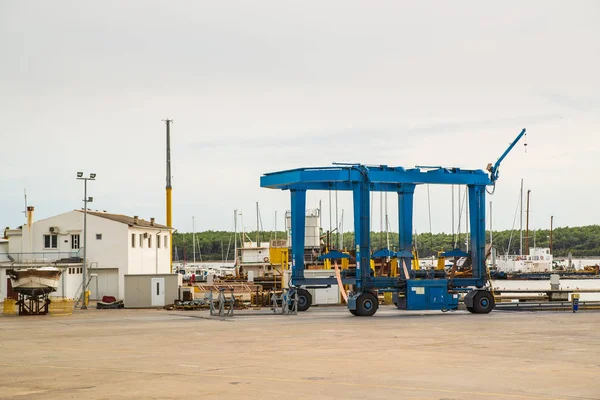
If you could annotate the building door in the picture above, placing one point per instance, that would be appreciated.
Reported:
(158, 292)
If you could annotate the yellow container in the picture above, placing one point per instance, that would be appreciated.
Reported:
(10, 307)
(387, 298)
(60, 307)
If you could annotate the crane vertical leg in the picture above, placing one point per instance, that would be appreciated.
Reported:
(362, 228)
(477, 224)
(298, 229)
(405, 221)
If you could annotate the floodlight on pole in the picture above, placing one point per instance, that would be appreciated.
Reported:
(86, 200)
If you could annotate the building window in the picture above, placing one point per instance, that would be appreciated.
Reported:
(141, 240)
(158, 240)
(50, 241)
(98, 236)
(149, 241)
(74, 241)
(166, 240)
(133, 240)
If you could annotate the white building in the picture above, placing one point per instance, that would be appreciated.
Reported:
(117, 245)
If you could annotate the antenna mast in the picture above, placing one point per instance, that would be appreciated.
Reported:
(169, 188)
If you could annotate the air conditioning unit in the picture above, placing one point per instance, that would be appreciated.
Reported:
(54, 229)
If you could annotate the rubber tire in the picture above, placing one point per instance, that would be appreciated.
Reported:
(483, 302)
(470, 309)
(366, 304)
(353, 312)
(304, 299)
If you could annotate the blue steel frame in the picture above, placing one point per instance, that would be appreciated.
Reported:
(361, 180)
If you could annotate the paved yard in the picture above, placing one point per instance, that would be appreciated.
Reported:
(324, 353)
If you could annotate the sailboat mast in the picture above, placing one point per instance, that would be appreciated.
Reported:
(467, 224)
(194, 239)
(527, 225)
(387, 224)
(551, 223)
(257, 227)
(521, 221)
(235, 238)
(342, 224)
(337, 224)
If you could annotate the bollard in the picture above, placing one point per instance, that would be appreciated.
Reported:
(575, 301)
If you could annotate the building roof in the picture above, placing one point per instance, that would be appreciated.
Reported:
(125, 219)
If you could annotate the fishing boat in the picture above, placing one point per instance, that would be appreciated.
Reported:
(34, 281)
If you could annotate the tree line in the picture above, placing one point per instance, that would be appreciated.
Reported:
(581, 241)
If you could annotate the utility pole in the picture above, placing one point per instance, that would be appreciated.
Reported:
(169, 189)
(527, 226)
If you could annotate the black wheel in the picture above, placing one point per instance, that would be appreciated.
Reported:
(366, 304)
(483, 302)
(304, 299)
(470, 309)
(353, 312)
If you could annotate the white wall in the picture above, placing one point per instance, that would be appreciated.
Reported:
(143, 259)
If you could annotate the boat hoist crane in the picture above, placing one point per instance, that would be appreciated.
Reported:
(412, 289)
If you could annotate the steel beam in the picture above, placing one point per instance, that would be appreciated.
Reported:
(477, 221)
(298, 228)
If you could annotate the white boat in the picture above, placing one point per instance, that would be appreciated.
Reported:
(34, 281)
(538, 260)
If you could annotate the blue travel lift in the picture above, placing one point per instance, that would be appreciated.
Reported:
(417, 291)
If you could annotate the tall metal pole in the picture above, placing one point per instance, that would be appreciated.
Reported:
(257, 227)
(169, 188)
(467, 223)
(194, 238)
(381, 219)
(527, 226)
(85, 198)
(337, 225)
(453, 213)
(330, 227)
(320, 216)
(235, 251)
(491, 226)
(521, 221)
(342, 224)
(551, 223)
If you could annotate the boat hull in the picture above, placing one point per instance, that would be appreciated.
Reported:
(34, 282)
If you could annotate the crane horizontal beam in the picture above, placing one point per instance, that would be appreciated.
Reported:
(382, 178)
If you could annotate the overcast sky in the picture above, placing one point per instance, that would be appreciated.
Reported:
(262, 86)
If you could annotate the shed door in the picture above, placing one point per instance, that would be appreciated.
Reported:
(158, 292)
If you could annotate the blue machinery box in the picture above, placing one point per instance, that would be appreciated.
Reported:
(427, 294)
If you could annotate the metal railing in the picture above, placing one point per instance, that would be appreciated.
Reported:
(44, 257)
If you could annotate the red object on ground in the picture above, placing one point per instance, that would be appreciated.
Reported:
(108, 299)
